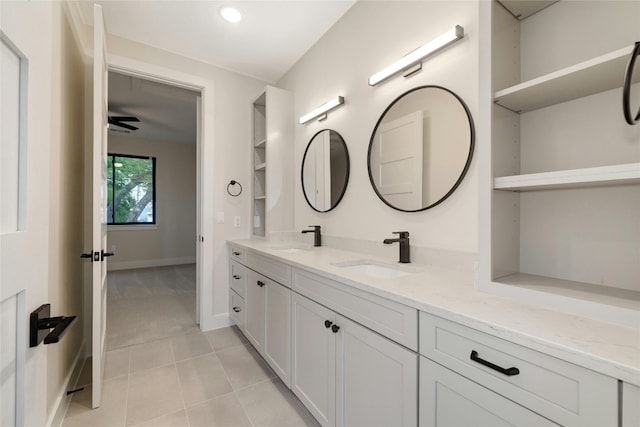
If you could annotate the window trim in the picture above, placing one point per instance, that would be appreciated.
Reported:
(154, 200)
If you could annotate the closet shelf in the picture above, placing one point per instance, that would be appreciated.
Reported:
(586, 78)
(261, 166)
(573, 178)
(260, 143)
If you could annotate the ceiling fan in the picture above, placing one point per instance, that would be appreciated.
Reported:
(119, 121)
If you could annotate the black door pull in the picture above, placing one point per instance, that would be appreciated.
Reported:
(506, 371)
(328, 323)
(335, 329)
(260, 283)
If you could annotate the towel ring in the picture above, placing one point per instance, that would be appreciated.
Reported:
(626, 92)
(233, 183)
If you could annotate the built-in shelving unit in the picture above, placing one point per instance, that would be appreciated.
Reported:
(564, 204)
(272, 147)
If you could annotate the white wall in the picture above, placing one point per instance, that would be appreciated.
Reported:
(172, 240)
(370, 36)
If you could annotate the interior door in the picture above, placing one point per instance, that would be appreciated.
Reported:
(18, 239)
(397, 161)
(99, 208)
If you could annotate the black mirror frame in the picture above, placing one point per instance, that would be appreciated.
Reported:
(346, 183)
(464, 170)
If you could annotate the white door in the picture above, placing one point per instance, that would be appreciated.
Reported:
(277, 340)
(99, 208)
(397, 161)
(15, 238)
(377, 379)
(254, 304)
(314, 359)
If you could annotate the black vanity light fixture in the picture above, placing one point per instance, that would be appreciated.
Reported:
(321, 111)
(412, 61)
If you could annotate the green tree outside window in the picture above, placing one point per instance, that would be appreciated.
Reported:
(130, 189)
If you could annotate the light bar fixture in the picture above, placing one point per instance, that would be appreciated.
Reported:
(440, 42)
(321, 111)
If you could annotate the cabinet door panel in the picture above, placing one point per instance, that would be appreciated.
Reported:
(314, 369)
(451, 400)
(277, 344)
(254, 303)
(377, 379)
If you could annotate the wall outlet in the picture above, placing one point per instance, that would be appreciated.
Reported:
(219, 217)
(237, 221)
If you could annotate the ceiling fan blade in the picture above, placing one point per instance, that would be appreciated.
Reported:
(124, 118)
(122, 125)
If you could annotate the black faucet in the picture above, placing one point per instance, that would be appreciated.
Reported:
(317, 238)
(403, 239)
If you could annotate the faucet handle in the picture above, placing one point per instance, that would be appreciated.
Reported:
(401, 234)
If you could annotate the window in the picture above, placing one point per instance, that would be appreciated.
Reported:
(131, 189)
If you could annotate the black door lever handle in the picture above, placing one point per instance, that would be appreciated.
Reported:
(104, 254)
(87, 255)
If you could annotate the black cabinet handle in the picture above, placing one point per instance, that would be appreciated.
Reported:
(237, 309)
(236, 253)
(260, 283)
(626, 91)
(335, 329)
(235, 276)
(328, 323)
(506, 371)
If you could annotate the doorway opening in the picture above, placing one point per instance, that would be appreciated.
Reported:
(152, 210)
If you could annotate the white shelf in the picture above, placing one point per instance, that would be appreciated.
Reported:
(621, 298)
(260, 143)
(260, 197)
(261, 166)
(586, 78)
(573, 178)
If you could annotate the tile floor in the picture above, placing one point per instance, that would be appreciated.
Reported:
(188, 378)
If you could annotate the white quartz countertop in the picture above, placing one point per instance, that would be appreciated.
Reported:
(606, 348)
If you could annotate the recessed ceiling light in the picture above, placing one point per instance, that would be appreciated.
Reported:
(231, 15)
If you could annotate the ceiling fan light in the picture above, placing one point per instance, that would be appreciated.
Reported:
(230, 14)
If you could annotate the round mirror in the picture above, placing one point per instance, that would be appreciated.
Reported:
(420, 148)
(325, 170)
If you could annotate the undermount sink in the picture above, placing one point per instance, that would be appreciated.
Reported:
(289, 249)
(373, 269)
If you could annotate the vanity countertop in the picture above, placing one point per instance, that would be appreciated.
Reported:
(607, 348)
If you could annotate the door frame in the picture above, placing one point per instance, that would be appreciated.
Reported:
(205, 180)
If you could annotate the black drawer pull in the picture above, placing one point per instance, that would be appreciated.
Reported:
(237, 309)
(260, 283)
(506, 371)
(235, 276)
(328, 323)
(236, 253)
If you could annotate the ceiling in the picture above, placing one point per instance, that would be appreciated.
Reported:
(270, 39)
(166, 113)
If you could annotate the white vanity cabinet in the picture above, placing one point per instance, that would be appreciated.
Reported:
(261, 307)
(346, 374)
(517, 381)
(630, 405)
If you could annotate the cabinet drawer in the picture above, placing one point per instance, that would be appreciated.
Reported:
(274, 270)
(236, 309)
(238, 254)
(561, 391)
(391, 319)
(451, 400)
(238, 277)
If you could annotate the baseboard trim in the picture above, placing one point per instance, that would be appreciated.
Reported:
(62, 401)
(147, 263)
(215, 322)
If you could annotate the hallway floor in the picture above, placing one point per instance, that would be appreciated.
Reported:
(187, 378)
